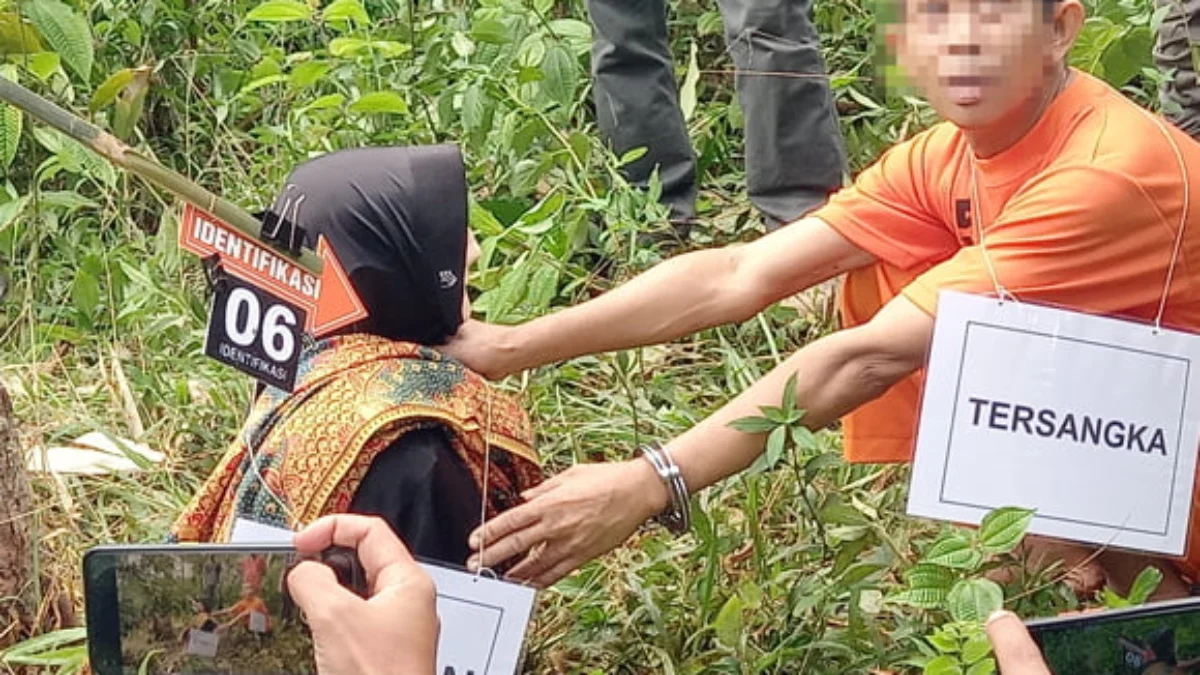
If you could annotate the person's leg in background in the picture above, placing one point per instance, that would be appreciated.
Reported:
(1180, 93)
(637, 99)
(795, 156)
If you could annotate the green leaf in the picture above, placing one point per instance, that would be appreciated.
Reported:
(1144, 585)
(347, 46)
(943, 642)
(776, 445)
(575, 33)
(66, 31)
(347, 10)
(541, 212)
(842, 514)
(107, 91)
(633, 155)
(559, 68)
(753, 425)
(280, 11)
(921, 598)
(129, 106)
(542, 287)
(687, 92)
(976, 647)
(43, 65)
(973, 600)
(923, 575)
(1002, 529)
(955, 552)
(943, 665)
(491, 31)
(984, 667)
(10, 134)
(857, 572)
(474, 107)
(307, 74)
(17, 36)
(728, 624)
(85, 292)
(789, 393)
(380, 102)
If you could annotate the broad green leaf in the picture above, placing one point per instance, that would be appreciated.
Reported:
(984, 667)
(44, 65)
(576, 34)
(11, 209)
(347, 10)
(307, 74)
(687, 92)
(728, 624)
(483, 221)
(323, 102)
(858, 572)
(581, 145)
(1112, 599)
(66, 31)
(1003, 528)
(347, 46)
(380, 102)
(491, 31)
(538, 219)
(1144, 585)
(842, 514)
(259, 83)
(789, 393)
(955, 552)
(560, 70)
(390, 48)
(943, 642)
(85, 292)
(107, 91)
(923, 575)
(474, 107)
(17, 36)
(542, 287)
(462, 45)
(820, 462)
(753, 425)
(633, 155)
(921, 598)
(943, 665)
(10, 134)
(280, 11)
(973, 600)
(803, 437)
(976, 647)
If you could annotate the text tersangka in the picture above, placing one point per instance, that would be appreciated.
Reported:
(1050, 423)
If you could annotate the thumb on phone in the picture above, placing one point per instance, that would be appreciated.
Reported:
(1016, 652)
(314, 587)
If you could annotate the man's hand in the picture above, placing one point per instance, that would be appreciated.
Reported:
(1016, 652)
(578, 515)
(395, 631)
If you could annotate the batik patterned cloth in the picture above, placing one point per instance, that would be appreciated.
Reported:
(302, 455)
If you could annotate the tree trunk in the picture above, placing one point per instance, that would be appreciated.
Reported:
(15, 509)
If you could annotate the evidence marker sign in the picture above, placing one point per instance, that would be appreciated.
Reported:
(1093, 422)
(255, 332)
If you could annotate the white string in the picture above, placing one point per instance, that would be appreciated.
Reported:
(483, 491)
(1183, 217)
(977, 216)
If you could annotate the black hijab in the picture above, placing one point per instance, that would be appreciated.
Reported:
(397, 219)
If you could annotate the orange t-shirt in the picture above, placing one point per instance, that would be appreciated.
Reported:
(1082, 212)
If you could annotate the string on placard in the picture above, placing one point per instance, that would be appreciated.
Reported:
(483, 492)
(1183, 216)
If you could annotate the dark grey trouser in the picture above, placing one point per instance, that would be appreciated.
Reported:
(1180, 94)
(794, 151)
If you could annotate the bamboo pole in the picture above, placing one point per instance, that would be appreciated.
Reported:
(111, 148)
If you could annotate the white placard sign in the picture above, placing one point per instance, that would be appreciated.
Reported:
(1093, 422)
(483, 620)
(203, 643)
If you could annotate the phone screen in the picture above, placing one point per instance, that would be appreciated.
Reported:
(1161, 638)
(185, 610)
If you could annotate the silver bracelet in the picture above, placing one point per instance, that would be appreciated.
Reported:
(677, 517)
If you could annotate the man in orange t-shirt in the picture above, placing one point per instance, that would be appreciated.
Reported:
(1081, 196)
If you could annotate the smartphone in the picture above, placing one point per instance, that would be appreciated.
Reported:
(193, 609)
(1160, 638)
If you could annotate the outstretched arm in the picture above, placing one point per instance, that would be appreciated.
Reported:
(591, 508)
(676, 298)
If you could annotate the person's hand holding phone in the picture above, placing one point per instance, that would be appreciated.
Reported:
(1016, 652)
(395, 630)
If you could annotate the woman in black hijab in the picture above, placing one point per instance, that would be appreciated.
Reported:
(378, 422)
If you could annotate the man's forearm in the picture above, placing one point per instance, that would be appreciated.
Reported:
(686, 294)
(834, 376)
(671, 300)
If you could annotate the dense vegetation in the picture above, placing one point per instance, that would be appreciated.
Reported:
(805, 565)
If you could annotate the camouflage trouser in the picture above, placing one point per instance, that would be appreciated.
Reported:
(1180, 94)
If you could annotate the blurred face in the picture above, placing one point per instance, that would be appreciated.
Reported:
(473, 253)
(983, 64)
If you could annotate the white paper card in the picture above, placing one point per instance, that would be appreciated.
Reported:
(1091, 421)
(203, 644)
(483, 620)
(258, 622)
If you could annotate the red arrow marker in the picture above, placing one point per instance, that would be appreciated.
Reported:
(338, 304)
